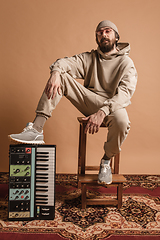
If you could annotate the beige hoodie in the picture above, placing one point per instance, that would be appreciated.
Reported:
(112, 76)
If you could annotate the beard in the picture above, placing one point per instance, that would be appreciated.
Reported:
(106, 45)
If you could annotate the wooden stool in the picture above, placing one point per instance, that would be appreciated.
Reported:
(91, 179)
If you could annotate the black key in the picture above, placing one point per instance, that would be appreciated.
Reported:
(42, 174)
(42, 159)
(41, 177)
(42, 156)
(42, 203)
(41, 186)
(42, 165)
(42, 181)
(41, 190)
(42, 153)
(42, 169)
(43, 199)
(41, 195)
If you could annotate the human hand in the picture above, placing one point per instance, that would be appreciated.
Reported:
(94, 122)
(53, 85)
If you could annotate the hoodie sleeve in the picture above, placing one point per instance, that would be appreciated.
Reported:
(75, 66)
(124, 91)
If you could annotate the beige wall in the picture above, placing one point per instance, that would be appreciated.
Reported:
(34, 33)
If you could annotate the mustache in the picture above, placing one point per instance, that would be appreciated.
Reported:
(104, 39)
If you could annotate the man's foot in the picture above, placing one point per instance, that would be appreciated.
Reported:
(105, 174)
(29, 135)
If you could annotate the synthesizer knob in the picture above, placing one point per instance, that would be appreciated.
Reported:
(26, 169)
(13, 150)
(16, 197)
(21, 192)
(12, 179)
(16, 192)
(17, 170)
(26, 192)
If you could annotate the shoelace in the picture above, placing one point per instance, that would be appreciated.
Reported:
(28, 127)
(105, 166)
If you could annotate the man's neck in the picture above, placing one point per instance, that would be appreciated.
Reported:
(114, 50)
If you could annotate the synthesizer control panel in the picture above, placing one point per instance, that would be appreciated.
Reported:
(31, 182)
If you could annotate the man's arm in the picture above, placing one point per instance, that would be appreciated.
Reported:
(75, 66)
(53, 85)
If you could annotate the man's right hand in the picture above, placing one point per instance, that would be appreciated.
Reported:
(53, 85)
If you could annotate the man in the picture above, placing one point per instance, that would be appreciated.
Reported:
(110, 79)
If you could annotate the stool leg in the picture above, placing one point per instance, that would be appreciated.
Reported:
(83, 197)
(83, 148)
(79, 149)
(116, 163)
(79, 154)
(119, 194)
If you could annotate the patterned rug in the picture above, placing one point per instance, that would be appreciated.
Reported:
(139, 214)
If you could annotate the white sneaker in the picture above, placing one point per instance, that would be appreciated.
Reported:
(105, 173)
(29, 135)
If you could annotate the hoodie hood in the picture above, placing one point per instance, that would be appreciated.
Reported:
(123, 49)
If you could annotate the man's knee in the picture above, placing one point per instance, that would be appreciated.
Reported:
(119, 121)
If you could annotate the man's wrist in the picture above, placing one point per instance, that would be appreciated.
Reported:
(57, 73)
(102, 113)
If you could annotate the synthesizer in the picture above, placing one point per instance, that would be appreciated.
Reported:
(31, 182)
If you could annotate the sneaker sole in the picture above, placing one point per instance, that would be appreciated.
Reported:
(30, 142)
(104, 183)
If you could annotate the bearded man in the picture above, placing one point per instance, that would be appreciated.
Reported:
(110, 80)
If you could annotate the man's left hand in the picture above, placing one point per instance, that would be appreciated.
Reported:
(94, 122)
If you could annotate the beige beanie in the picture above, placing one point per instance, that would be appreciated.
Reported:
(107, 23)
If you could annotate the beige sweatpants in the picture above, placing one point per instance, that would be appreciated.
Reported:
(88, 102)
